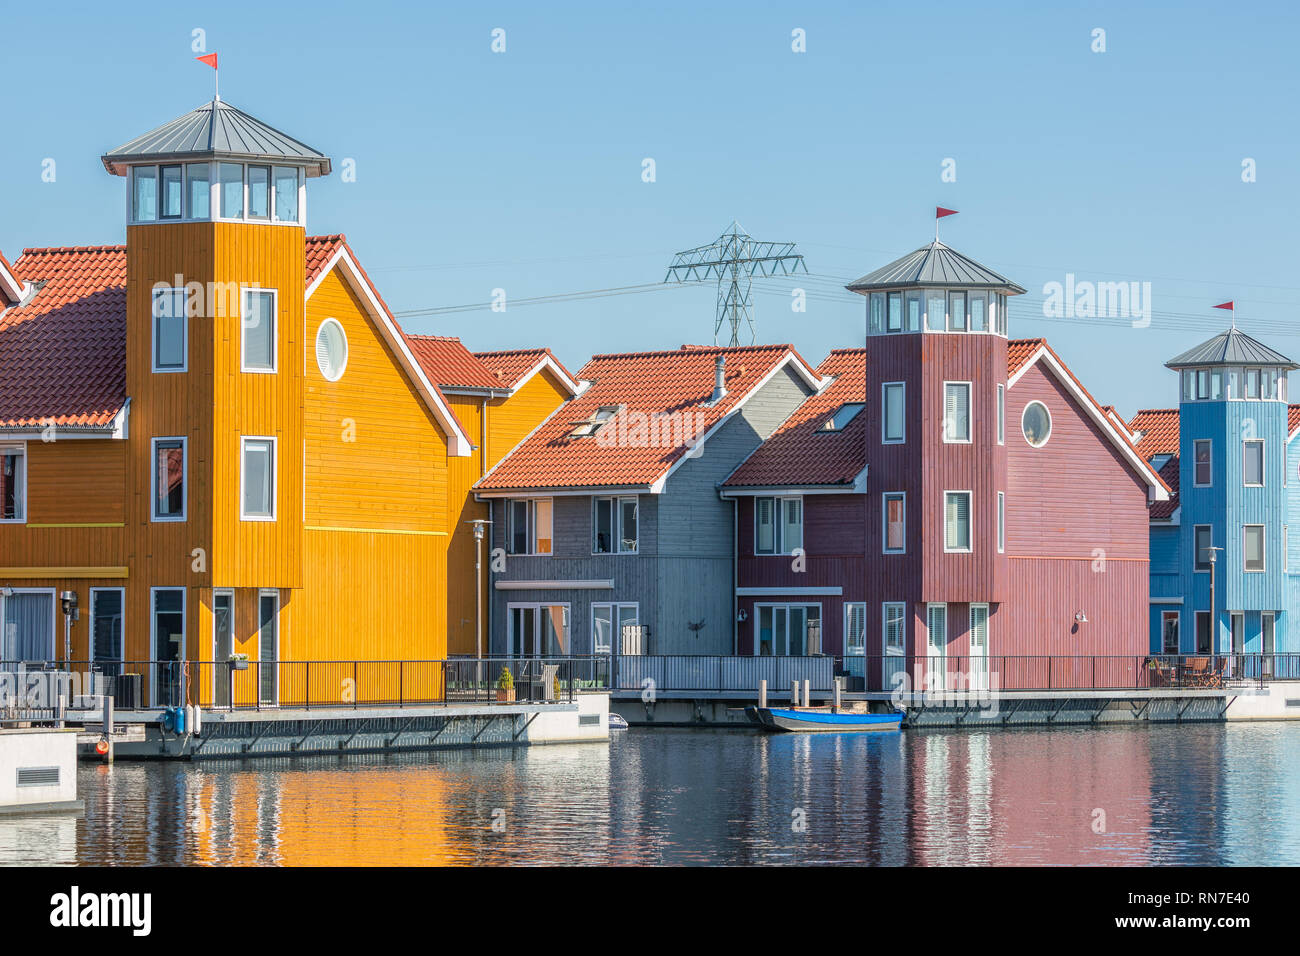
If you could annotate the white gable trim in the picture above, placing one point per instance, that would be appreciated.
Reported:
(807, 374)
(1155, 489)
(547, 362)
(458, 443)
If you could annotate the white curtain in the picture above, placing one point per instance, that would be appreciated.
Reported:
(28, 629)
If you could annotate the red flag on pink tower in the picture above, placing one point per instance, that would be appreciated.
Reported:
(210, 59)
(1226, 305)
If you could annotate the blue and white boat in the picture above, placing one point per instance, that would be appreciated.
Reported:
(777, 720)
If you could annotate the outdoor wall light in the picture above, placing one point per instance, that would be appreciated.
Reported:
(1080, 617)
(743, 616)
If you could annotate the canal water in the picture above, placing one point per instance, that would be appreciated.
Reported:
(1164, 794)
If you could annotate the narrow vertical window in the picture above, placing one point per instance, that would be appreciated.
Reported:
(978, 318)
(936, 311)
(1002, 522)
(895, 321)
(956, 520)
(198, 191)
(542, 521)
(1201, 462)
(13, 483)
(1253, 547)
(144, 193)
(258, 467)
(171, 192)
(957, 312)
(791, 524)
(956, 412)
(602, 524)
(764, 526)
(627, 514)
(1203, 540)
(259, 322)
(259, 192)
(230, 185)
(286, 194)
(855, 629)
(892, 421)
(1002, 414)
(170, 345)
(106, 644)
(168, 479)
(517, 526)
(876, 313)
(895, 522)
(268, 639)
(1252, 462)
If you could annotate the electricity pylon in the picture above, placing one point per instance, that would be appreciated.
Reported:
(734, 258)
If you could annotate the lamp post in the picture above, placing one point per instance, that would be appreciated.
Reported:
(1214, 555)
(480, 531)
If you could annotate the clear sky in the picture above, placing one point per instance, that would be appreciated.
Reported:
(522, 170)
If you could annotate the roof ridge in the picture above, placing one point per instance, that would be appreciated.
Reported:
(692, 350)
(63, 250)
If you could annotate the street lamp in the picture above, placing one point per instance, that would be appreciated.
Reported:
(480, 531)
(1214, 556)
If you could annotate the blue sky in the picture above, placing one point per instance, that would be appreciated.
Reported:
(522, 170)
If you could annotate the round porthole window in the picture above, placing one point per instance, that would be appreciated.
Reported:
(1036, 424)
(331, 350)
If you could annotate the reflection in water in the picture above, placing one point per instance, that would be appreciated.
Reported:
(1202, 794)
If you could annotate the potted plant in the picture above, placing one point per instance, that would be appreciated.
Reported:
(239, 662)
(555, 687)
(506, 687)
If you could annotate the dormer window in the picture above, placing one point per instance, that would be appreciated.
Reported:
(842, 416)
(589, 426)
(1159, 461)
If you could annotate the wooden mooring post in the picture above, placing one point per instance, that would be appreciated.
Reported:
(762, 693)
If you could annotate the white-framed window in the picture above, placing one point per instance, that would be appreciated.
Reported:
(1002, 522)
(169, 478)
(529, 526)
(1202, 541)
(936, 645)
(174, 192)
(144, 193)
(1201, 461)
(13, 484)
(27, 624)
(537, 630)
(257, 181)
(107, 616)
(785, 630)
(1252, 463)
(284, 187)
(1204, 637)
(171, 191)
(198, 191)
(257, 454)
(170, 330)
(956, 412)
(893, 418)
(1252, 547)
(1002, 414)
(230, 190)
(1036, 424)
(614, 525)
(1286, 559)
(778, 525)
(607, 622)
(957, 521)
(258, 318)
(855, 629)
(894, 522)
(331, 350)
(893, 627)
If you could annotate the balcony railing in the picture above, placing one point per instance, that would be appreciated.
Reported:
(252, 684)
(742, 674)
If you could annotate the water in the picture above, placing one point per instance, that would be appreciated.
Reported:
(1192, 794)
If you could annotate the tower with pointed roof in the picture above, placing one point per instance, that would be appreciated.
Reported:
(936, 386)
(215, 257)
(1232, 477)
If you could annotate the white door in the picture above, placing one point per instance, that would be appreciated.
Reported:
(979, 647)
(936, 646)
(892, 661)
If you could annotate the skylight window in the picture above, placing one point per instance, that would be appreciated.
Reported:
(843, 415)
(589, 426)
(1159, 461)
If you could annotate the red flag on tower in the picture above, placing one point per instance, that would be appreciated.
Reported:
(940, 212)
(1226, 305)
(210, 59)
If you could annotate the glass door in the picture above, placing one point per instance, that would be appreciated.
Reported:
(936, 645)
(892, 640)
(223, 645)
(268, 639)
(168, 645)
(1268, 641)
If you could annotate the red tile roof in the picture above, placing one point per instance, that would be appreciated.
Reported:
(1019, 351)
(63, 354)
(800, 452)
(627, 451)
(1157, 429)
(511, 366)
(1292, 419)
(320, 250)
(449, 364)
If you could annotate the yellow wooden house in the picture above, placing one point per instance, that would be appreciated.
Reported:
(219, 439)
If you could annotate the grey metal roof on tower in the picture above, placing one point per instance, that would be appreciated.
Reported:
(1232, 347)
(935, 265)
(216, 130)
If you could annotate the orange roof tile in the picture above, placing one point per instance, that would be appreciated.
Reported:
(63, 354)
(801, 452)
(1157, 430)
(511, 366)
(636, 448)
(1292, 419)
(1019, 351)
(449, 364)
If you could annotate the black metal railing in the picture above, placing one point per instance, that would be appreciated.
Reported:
(742, 674)
(254, 684)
